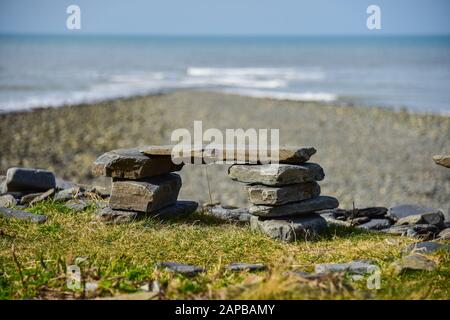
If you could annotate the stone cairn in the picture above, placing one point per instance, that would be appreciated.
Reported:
(285, 197)
(142, 184)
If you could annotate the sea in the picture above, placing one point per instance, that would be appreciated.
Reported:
(400, 72)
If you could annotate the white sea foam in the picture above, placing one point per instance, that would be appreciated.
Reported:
(296, 96)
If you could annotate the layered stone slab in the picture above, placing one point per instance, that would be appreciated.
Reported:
(28, 180)
(303, 228)
(232, 154)
(145, 195)
(22, 215)
(276, 175)
(132, 164)
(275, 196)
(442, 160)
(295, 209)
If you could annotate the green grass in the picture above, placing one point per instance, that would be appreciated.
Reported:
(120, 258)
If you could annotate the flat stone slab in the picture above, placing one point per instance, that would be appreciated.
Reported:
(295, 209)
(444, 234)
(111, 216)
(22, 215)
(145, 195)
(428, 215)
(132, 164)
(425, 247)
(240, 266)
(276, 175)
(275, 196)
(232, 154)
(180, 209)
(354, 267)
(184, 269)
(442, 160)
(289, 230)
(68, 194)
(228, 214)
(375, 224)
(7, 201)
(414, 262)
(29, 180)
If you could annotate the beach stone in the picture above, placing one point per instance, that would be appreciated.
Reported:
(444, 234)
(68, 194)
(276, 175)
(180, 209)
(62, 184)
(77, 205)
(296, 208)
(443, 160)
(228, 214)
(263, 195)
(184, 269)
(360, 221)
(354, 267)
(132, 164)
(404, 231)
(425, 247)
(100, 191)
(43, 196)
(27, 198)
(111, 216)
(414, 262)
(408, 214)
(329, 216)
(22, 215)
(239, 266)
(7, 201)
(145, 195)
(28, 179)
(233, 154)
(376, 224)
(290, 230)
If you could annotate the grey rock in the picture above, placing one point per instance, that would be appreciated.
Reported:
(289, 230)
(184, 269)
(414, 262)
(180, 209)
(360, 221)
(111, 216)
(146, 195)
(376, 224)
(444, 234)
(43, 196)
(443, 160)
(62, 184)
(264, 195)
(295, 209)
(22, 215)
(229, 214)
(239, 266)
(2, 184)
(417, 231)
(77, 205)
(7, 201)
(132, 164)
(28, 179)
(100, 191)
(68, 194)
(402, 213)
(426, 247)
(27, 198)
(329, 216)
(276, 175)
(354, 267)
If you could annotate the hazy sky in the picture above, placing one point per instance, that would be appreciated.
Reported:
(226, 17)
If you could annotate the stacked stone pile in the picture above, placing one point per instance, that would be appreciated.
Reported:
(141, 184)
(285, 197)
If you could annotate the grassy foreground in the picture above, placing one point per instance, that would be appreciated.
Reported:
(120, 258)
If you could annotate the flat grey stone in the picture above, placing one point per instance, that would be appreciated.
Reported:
(22, 215)
(111, 216)
(276, 175)
(62, 184)
(132, 164)
(68, 194)
(444, 234)
(426, 247)
(289, 230)
(180, 209)
(27, 198)
(77, 205)
(239, 266)
(43, 196)
(7, 201)
(329, 217)
(414, 262)
(229, 214)
(354, 267)
(297, 208)
(375, 224)
(145, 195)
(100, 191)
(264, 195)
(402, 213)
(184, 269)
(28, 179)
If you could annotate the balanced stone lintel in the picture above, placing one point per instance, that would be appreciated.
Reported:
(275, 196)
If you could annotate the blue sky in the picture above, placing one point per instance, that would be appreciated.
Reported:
(226, 17)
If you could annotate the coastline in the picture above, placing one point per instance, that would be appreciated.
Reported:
(371, 155)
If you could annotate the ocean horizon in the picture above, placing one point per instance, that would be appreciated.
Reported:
(411, 72)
